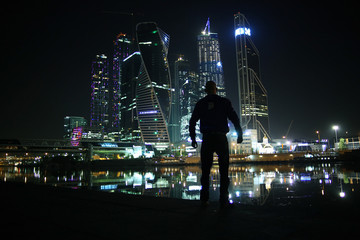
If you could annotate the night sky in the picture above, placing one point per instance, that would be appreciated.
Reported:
(309, 54)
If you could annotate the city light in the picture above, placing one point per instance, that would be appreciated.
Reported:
(148, 112)
(342, 194)
(335, 128)
(242, 31)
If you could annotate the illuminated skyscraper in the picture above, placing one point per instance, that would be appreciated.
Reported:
(99, 106)
(187, 95)
(130, 67)
(253, 99)
(122, 49)
(210, 65)
(153, 91)
(71, 122)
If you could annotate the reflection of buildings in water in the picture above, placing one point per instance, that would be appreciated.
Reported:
(250, 187)
(249, 184)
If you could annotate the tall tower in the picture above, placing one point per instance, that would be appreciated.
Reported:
(122, 48)
(129, 79)
(153, 91)
(99, 105)
(210, 65)
(187, 95)
(253, 98)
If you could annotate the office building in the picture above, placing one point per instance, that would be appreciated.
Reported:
(130, 130)
(153, 90)
(253, 98)
(71, 122)
(187, 95)
(210, 65)
(99, 105)
(122, 49)
(174, 124)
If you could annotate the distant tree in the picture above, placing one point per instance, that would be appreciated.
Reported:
(342, 144)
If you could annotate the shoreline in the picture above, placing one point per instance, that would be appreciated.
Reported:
(63, 212)
(352, 157)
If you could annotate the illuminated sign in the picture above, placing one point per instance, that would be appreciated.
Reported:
(242, 31)
(108, 187)
(76, 136)
(148, 112)
(108, 145)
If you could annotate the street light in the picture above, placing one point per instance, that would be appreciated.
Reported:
(336, 128)
(318, 134)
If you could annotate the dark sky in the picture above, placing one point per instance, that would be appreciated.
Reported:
(309, 58)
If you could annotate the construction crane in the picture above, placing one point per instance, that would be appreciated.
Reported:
(288, 129)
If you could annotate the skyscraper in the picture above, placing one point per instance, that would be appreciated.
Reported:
(71, 122)
(187, 94)
(99, 105)
(129, 76)
(253, 98)
(210, 65)
(153, 91)
(122, 49)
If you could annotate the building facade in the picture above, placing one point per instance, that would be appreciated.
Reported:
(71, 122)
(153, 91)
(99, 105)
(130, 130)
(253, 98)
(122, 49)
(188, 95)
(210, 65)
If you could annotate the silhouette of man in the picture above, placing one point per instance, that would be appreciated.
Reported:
(214, 112)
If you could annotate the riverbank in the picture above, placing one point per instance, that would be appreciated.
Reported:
(61, 162)
(46, 211)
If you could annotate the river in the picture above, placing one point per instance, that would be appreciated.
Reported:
(276, 184)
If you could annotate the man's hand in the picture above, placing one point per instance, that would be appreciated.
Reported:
(194, 143)
(240, 139)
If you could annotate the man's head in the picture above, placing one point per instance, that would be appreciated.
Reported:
(210, 87)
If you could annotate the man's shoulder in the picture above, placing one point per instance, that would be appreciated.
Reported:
(214, 97)
(223, 99)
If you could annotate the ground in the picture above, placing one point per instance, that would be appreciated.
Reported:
(48, 212)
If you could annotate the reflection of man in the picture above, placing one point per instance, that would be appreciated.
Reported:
(214, 112)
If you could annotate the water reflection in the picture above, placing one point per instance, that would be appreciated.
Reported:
(250, 184)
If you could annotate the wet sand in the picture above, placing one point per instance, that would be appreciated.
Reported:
(46, 212)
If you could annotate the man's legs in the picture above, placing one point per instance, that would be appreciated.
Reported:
(206, 163)
(222, 150)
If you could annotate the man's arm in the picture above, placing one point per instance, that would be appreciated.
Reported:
(192, 124)
(236, 121)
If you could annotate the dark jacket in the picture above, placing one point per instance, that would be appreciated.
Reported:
(213, 112)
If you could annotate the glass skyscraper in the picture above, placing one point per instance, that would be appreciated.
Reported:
(210, 65)
(122, 49)
(253, 98)
(153, 90)
(99, 105)
(129, 76)
(188, 94)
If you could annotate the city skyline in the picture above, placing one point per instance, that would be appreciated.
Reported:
(309, 81)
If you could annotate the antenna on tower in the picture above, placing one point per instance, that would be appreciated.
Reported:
(207, 28)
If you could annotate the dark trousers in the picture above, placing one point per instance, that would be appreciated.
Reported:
(214, 143)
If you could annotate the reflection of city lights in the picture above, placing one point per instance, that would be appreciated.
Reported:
(249, 184)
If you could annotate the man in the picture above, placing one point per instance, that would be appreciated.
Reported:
(214, 112)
